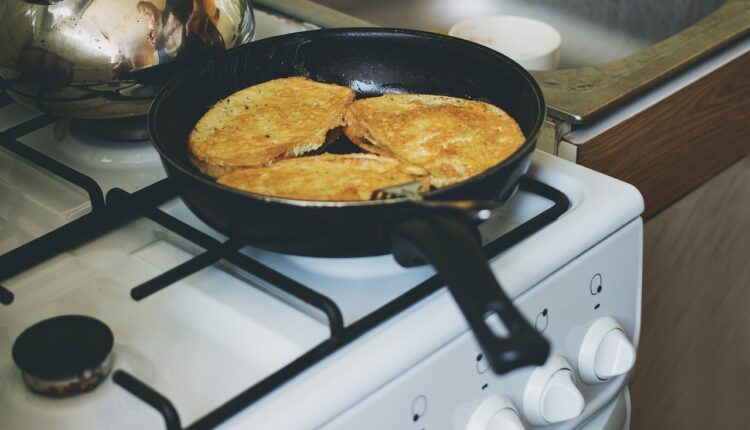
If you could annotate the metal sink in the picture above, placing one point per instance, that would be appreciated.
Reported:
(593, 31)
(612, 49)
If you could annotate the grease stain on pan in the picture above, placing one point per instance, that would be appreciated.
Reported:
(299, 58)
(288, 57)
(374, 88)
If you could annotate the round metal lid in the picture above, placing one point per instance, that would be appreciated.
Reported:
(62, 346)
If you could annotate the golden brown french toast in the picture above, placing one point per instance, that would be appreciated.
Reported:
(452, 138)
(330, 177)
(258, 125)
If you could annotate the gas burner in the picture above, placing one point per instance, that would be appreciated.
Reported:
(122, 129)
(64, 355)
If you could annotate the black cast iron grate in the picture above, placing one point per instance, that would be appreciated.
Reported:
(122, 207)
(340, 335)
(46, 246)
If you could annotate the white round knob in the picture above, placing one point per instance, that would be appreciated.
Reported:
(605, 352)
(615, 355)
(561, 399)
(551, 395)
(507, 419)
(495, 413)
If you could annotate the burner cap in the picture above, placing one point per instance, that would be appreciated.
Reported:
(62, 347)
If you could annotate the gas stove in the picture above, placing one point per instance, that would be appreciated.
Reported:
(176, 325)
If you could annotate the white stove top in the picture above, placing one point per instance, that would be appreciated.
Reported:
(198, 342)
(208, 337)
(213, 334)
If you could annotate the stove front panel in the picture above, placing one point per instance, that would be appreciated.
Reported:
(444, 390)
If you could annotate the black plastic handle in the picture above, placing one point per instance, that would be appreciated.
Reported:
(452, 246)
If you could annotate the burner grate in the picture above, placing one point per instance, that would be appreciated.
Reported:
(6, 297)
(150, 397)
(4, 99)
(561, 203)
(215, 250)
(8, 139)
(121, 207)
(54, 242)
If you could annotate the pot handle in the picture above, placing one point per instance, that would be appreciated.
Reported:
(43, 2)
(452, 247)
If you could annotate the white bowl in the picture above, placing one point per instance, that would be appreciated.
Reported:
(533, 44)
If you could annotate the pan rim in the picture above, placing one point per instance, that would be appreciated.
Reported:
(528, 145)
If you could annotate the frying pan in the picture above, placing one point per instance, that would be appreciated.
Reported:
(371, 62)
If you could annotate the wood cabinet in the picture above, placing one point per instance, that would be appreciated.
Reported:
(680, 142)
(693, 366)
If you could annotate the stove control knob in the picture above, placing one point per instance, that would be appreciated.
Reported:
(551, 395)
(495, 413)
(605, 352)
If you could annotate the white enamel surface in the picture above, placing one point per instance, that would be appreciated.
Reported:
(605, 351)
(15, 113)
(600, 205)
(127, 165)
(534, 44)
(34, 202)
(108, 407)
(412, 353)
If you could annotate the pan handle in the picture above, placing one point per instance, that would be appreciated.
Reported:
(452, 247)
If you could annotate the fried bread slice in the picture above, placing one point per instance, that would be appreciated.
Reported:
(328, 177)
(452, 138)
(258, 125)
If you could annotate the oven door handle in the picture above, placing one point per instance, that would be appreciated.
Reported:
(452, 246)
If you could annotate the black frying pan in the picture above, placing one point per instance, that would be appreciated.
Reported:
(372, 62)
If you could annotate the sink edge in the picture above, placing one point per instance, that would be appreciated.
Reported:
(580, 95)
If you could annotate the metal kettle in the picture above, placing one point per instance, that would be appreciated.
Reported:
(97, 59)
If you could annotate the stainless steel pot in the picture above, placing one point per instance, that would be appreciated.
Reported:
(98, 59)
